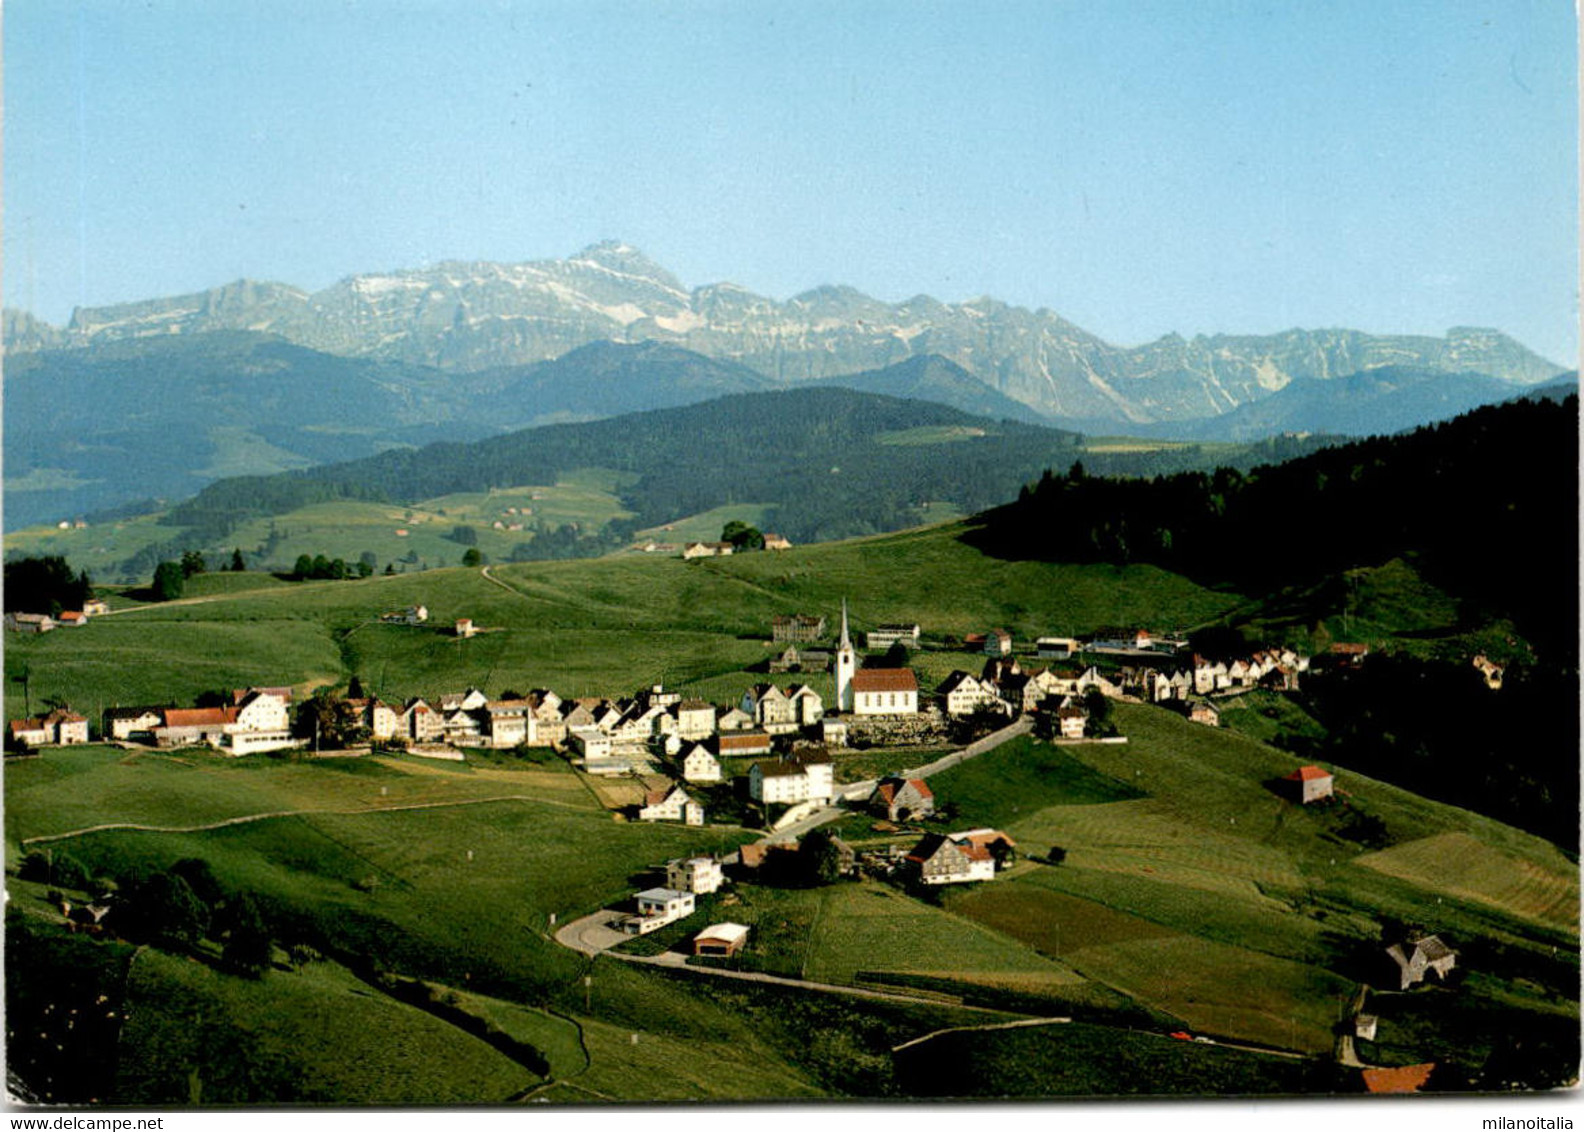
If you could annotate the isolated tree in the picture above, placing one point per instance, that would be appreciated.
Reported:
(247, 948)
(472, 557)
(303, 568)
(464, 535)
(742, 536)
(365, 570)
(355, 688)
(390, 569)
(169, 581)
(238, 563)
(1056, 855)
(200, 877)
(192, 562)
(820, 858)
(164, 909)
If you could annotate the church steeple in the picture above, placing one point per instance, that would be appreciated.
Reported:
(846, 665)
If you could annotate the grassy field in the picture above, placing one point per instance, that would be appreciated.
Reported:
(706, 525)
(1022, 777)
(197, 1036)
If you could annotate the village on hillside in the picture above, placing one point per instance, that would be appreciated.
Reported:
(779, 761)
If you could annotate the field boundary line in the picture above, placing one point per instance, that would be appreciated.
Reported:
(990, 1026)
(245, 819)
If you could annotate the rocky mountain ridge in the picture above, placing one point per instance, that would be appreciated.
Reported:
(469, 317)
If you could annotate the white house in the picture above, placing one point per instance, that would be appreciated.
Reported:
(802, 778)
(671, 805)
(695, 719)
(658, 907)
(698, 875)
(964, 694)
(698, 765)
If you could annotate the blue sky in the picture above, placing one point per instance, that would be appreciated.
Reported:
(1139, 167)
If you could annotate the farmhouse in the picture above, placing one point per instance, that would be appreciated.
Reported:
(1204, 712)
(884, 691)
(698, 765)
(131, 723)
(707, 549)
(184, 727)
(29, 622)
(774, 541)
(1419, 956)
(1070, 721)
(963, 694)
(903, 799)
(998, 642)
(1310, 784)
(794, 659)
(464, 627)
(939, 860)
(796, 627)
(699, 875)
(671, 805)
(73, 618)
(723, 940)
(412, 615)
(733, 719)
(60, 727)
(998, 844)
(94, 606)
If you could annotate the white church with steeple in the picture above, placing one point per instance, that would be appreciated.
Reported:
(871, 691)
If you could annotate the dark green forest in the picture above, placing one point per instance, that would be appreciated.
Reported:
(817, 456)
(1485, 506)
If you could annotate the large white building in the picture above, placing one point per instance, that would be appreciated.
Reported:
(800, 779)
(698, 875)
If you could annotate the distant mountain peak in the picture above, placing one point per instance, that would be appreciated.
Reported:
(624, 259)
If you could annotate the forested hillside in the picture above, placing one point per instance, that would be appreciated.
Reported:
(818, 455)
(1485, 505)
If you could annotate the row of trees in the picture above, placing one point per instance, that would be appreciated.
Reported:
(173, 909)
(45, 585)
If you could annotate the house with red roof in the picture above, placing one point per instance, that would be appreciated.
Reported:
(903, 799)
(937, 859)
(1310, 783)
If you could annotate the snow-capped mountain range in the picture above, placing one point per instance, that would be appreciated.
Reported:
(476, 316)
